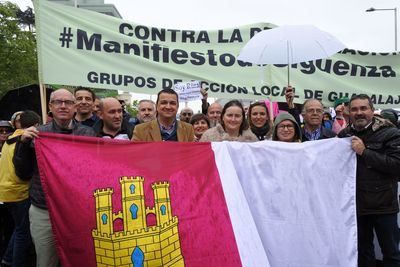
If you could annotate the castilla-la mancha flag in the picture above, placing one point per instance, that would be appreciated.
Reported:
(119, 203)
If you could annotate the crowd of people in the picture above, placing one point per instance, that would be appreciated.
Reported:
(375, 139)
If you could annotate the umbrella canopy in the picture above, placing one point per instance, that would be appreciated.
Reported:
(22, 98)
(289, 45)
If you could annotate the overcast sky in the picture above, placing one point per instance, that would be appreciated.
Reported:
(345, 19)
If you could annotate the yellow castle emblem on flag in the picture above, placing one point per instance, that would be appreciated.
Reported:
(137, 244)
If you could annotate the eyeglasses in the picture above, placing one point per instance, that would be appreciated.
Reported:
(289, 127)
(67, 103)
(311, 111)
(187, 114)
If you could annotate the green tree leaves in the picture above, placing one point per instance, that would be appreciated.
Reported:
(133, 109)
(18, 60)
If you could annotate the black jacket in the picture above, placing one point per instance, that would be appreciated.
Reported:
(378, 168)
(126, 128)
(25, 159)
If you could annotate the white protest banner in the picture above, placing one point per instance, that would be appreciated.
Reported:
(78, 47)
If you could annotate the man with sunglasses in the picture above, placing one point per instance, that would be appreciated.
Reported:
(63, 106)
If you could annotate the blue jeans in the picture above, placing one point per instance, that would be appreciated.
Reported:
(18, 248)
(388, 234)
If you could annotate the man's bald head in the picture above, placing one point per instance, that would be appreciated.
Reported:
(63, 106)
(105, 102)
(186, 114)
(111, 114)
(61, 91)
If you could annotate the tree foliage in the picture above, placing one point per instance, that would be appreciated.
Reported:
(133, 108)
(103, 93)
(18, 60)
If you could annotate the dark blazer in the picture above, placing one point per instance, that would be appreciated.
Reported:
(150, 131)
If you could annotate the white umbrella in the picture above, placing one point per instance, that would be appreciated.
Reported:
(289, 45)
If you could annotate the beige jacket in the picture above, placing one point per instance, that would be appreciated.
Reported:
(217, 134)
(150, 131)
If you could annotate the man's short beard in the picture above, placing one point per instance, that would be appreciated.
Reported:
(360, 117)
(145, 119)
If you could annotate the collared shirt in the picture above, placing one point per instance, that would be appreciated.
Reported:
(168, 133)
(168, 130)
(314, 135)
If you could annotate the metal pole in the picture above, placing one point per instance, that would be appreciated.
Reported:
(395, 29)
(288, 64)
(395, 21)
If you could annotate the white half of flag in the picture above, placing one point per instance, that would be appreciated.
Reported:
(301, 197)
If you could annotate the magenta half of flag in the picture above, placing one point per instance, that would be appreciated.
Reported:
(117, 203)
